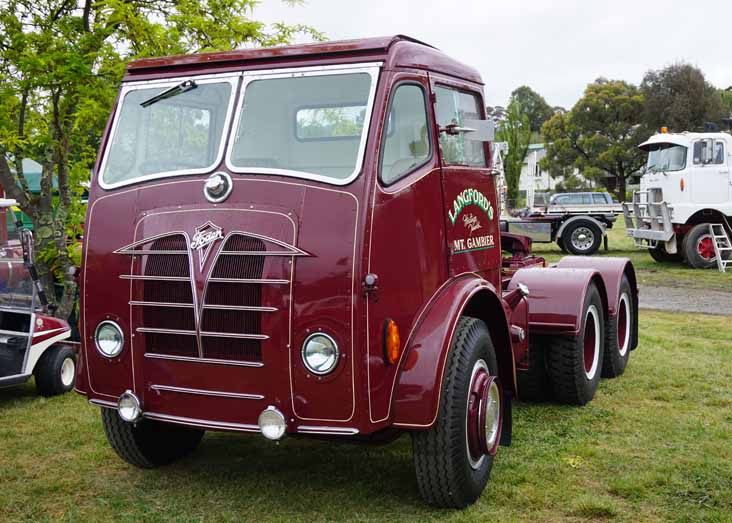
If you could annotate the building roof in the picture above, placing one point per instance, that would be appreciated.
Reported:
(394, 51)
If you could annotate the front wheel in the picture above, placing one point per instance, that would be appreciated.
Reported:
(660, 254)
(453, 459)
(55, 372)
(148, 444)
(582, 237)
(699, 247)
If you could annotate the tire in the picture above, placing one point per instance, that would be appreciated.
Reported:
(55, 371)
(582, 237)
(618, 334)
(697, 248)
(534, 384)
(560, 244)
(149, 444)
(659, 254)
(447, 475)
(574, 382)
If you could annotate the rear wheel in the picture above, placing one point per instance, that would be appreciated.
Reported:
(660, 254)
(619, 330)
(148, 444)
(699, 247)
(55, 372)
(582, 237)
(575, 362)
(453, 459)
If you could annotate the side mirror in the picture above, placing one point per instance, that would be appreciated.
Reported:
(708, 154)
(474, 130)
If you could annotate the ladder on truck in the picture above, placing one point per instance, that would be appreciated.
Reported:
(722, 245)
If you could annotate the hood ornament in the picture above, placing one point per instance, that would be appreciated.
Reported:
(217, 187)
(204, 238)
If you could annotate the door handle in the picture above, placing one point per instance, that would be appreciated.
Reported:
(724, 171)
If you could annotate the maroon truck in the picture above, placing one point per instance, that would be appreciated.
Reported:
(304, 241)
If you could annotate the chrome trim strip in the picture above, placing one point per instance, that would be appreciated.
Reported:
(260, 253)
(165, 331)
(135, 252)
(203, 360)
(239, 308)
(103, 403)
(234, 335)
(186, 279)
(202, 392)
(161, 304)
(137, 243)
(242, 427)
(343, 431)
(248, 280)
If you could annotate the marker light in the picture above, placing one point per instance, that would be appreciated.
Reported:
(664, 130)
(681, 184)
(392, 342)
(320, 353)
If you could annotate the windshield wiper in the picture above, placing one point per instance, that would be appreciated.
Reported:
(182, 87)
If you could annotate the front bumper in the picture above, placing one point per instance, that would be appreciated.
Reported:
(649, 223)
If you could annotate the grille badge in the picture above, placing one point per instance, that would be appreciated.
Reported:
(205, 236)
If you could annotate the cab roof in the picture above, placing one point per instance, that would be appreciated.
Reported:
(684, 139)
(395, 51)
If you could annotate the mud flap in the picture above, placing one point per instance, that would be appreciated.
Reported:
(507, 426)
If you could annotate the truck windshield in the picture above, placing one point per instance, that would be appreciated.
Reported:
(664, 157)
(175, 133)
(306, 124)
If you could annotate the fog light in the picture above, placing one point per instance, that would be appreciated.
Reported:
(272, 423)
(320, 353)
(128, 407)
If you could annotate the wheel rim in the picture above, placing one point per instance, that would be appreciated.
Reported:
(68, 369)
(591, 342)
(483, 415)
(705, 247)
(582, 238)
(623, 324)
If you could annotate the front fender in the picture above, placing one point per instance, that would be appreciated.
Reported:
(420, 382)
(611, 270)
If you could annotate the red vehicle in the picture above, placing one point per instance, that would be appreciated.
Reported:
(305, 242)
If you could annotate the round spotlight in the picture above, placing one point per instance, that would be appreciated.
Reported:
(272, 423)
(128, 407)
(320, 353)
(109, 339)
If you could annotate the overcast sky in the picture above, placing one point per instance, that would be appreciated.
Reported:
(555, 46)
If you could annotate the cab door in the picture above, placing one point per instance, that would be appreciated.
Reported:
(470, 213)
(711, 183)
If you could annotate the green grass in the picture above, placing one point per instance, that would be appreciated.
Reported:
(654, 445)
(649, 271)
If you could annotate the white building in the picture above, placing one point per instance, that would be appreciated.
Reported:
(533, 179)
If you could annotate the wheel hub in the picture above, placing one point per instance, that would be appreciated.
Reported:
(484, 415)
(705, 247)
(582, 238)
(68, 369)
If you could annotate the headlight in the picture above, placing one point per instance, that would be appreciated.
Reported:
(109, 339)
(320, 353)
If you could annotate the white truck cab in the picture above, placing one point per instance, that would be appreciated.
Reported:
(687, 187)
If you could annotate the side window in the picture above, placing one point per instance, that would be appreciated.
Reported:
(454, 107)
(586, 199)
(407, 143)
(599, 198)
(718, 153)
(700, 150)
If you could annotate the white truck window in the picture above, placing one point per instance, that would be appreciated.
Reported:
(407, 143)
(700, 149)
(665, 157)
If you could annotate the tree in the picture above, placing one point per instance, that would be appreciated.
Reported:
(516, 132)
(534, 105)
(61, 62)
(680, 98)
(599, 136)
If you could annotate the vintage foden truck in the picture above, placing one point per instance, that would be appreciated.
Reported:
(304, 241)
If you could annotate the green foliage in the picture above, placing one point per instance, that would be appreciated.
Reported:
(680, 98)
(60, 66)
(516, 131)
(534, 105)
(599, 136)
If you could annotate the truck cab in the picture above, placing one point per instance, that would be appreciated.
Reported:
(685, 188)
(304, 241)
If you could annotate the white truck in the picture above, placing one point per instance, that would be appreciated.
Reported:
(684, 205)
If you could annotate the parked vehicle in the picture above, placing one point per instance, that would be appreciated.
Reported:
(686, 188)
(589, 199)
(32, 343)
(306, 242)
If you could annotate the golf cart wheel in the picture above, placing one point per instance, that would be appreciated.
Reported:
(453, 459)
(660, 254)
(534, 383)
(699, 247)
(55, 371)
(582, 237)
(575, 362)
(148, 444)
(619, 329)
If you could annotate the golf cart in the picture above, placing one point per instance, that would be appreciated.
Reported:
(32, 341)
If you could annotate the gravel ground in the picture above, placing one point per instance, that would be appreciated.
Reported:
(686, 300)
